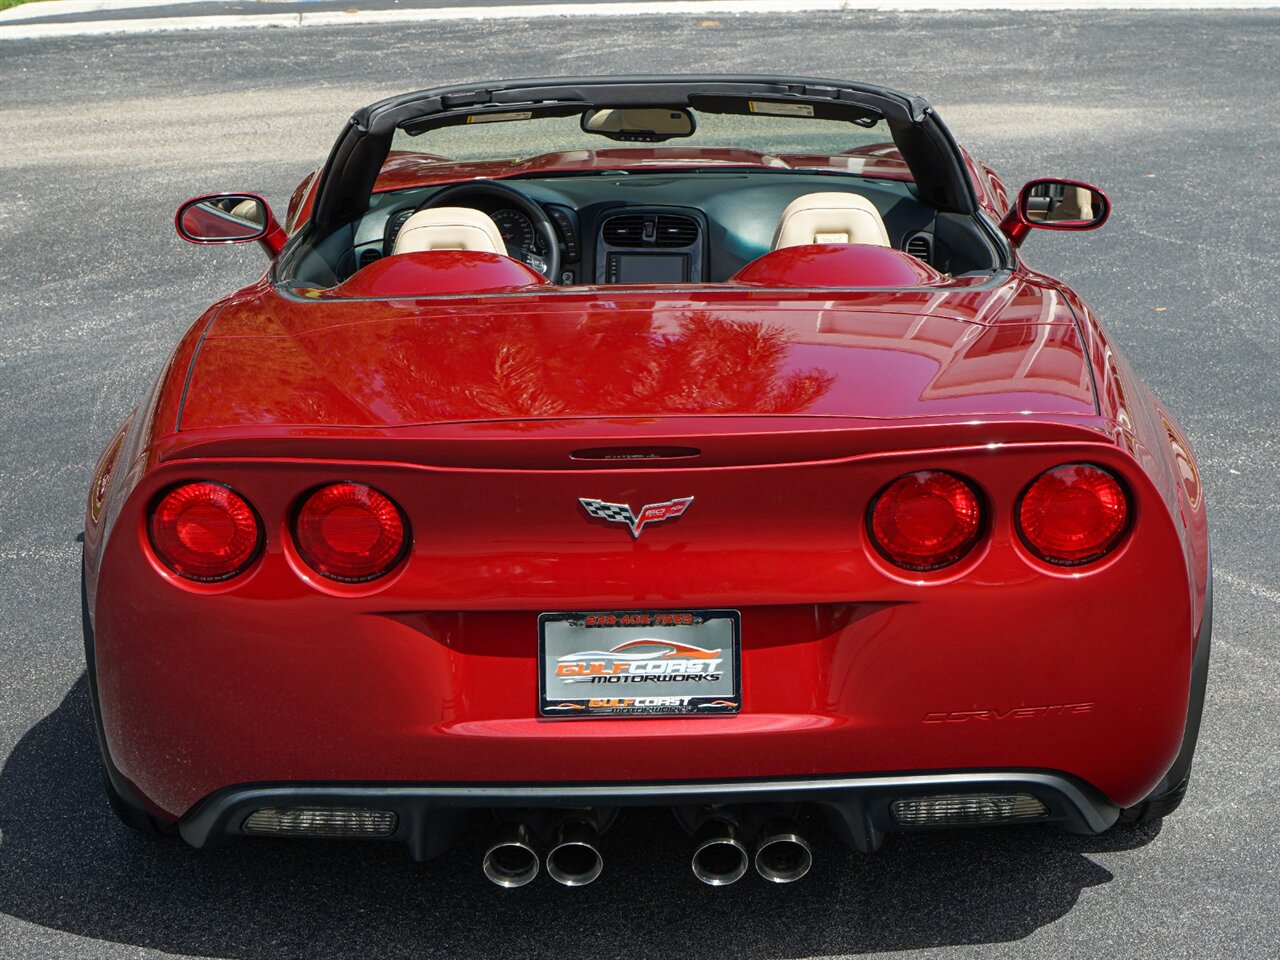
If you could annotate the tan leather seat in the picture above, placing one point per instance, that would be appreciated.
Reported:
(1076, 204)
(830, 218)
(449, 228)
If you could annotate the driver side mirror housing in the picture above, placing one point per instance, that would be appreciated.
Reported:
(1053, 204)
(230, 218)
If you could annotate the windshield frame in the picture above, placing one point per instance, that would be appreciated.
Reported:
(926, 146)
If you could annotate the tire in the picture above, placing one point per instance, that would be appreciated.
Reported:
(131, 816)
(1156, 806)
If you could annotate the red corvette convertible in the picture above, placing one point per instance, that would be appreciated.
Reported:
(698, 442)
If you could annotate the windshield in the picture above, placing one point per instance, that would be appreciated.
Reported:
(530, 185)
(520, 139)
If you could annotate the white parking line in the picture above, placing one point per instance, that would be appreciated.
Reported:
(355, 16)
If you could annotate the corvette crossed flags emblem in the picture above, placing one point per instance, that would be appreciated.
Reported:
(649, 513)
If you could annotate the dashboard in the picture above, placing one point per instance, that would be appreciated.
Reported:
(617, 227)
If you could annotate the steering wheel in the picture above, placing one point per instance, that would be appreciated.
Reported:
(457, 195)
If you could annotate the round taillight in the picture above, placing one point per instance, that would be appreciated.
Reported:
(350, 533)
(1073, 514)
(205, 532)
(925, 520)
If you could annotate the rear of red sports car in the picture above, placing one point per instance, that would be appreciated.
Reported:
(914, 558)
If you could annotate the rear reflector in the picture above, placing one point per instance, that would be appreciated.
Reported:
(971, 808)
(925, 520)
(1073, 514)
(205, 532)
(320, 822)
(350, 533)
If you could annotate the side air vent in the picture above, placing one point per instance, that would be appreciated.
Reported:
(675, 231)
(624, 231)
(921, 247)
(368, 256)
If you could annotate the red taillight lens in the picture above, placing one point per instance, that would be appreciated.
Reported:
(205, 532)
(925, 520)
(1073, 514)
(350, 533)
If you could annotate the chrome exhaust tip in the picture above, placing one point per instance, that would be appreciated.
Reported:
(719, 858)
(782, 855)
(512, 861)
(575, 859)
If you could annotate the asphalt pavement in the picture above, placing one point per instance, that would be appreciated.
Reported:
(102, 137)
(153, 9)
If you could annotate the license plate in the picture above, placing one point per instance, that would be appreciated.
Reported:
(639, 663)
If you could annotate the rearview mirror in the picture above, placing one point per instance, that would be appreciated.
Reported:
(643, 125)
(229, 218)
(1051, 204)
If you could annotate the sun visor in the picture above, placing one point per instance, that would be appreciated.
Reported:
(803, 108)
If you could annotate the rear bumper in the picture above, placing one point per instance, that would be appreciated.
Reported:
(428, 817)
(451, 698)
(848, 668)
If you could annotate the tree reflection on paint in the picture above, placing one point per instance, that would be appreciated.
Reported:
(705, 365)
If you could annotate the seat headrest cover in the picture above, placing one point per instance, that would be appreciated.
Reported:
(869, 266)
(449, 228)
(431, 273)
(830, 218)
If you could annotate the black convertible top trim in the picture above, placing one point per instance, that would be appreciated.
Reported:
(662, 91)
(926, 145)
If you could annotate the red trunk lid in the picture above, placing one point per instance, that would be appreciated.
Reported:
(1009, 350)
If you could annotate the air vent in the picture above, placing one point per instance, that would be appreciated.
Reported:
(921, 247)
(676, 231)
(647, 229)
(624, 231)
(368, 256)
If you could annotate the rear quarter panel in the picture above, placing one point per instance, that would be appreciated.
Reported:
(1156, 441)
(133, 449)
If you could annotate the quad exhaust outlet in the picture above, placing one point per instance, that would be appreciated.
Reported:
(575, 859)
(719, 857)
(782, 854)
(512, 861)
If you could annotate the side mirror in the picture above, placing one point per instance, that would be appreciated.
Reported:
(229, 218)
(643, 125)
(1051, 204)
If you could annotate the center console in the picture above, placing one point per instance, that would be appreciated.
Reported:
(651, 245)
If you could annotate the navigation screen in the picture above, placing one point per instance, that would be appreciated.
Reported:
(647, 268)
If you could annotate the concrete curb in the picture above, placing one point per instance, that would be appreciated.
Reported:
(34, 30)
(67, 8)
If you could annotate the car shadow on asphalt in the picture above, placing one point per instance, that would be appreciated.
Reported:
(67, 864)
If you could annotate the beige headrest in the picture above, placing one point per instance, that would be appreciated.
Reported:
(449, 228)
(250, 210)
(830, 218)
